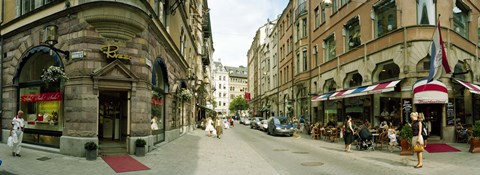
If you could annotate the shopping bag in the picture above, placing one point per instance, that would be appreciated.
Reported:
(418, 147)
(10, 141)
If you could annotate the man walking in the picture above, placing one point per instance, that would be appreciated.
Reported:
(16, 131)
(219, 127)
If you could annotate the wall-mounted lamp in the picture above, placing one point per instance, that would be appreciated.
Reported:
(51, 38)
(206, 80)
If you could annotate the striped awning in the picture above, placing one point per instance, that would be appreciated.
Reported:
(321, 97)
(434, 92)
(365, 90)
(472, 87)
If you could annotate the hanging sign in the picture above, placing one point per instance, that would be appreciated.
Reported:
(49, 96)
(111, 52)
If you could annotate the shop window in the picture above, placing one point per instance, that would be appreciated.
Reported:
(352, 29)
(386, 17)
(330, 52)
(426, 12)
(157, 118)
(390, 112)
(40, 102)
(460, 18)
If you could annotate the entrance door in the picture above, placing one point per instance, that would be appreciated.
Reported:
(112, 124)
(433, 113)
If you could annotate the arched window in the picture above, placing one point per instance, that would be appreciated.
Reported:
(160, 88)
(353, 79)
(329, 86)
(387, 71)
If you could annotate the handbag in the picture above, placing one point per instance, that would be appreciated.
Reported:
(10, 141)
(418, 147)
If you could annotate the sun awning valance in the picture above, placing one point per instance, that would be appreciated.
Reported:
(434, 92)
(472, 87)
(365, 90)
(322, 97)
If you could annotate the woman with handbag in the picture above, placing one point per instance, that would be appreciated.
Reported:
(417, 139)
(348, 134)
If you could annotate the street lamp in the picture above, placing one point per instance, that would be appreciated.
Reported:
(51, 38)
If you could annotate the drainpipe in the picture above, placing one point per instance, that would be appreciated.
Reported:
(1, 63)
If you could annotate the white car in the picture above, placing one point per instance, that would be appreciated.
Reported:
(246, 121)
(264, 125)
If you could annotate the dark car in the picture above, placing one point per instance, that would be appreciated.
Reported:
(256, 122)
(280, 126)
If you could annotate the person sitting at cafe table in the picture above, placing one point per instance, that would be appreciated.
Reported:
(462, 132)
(331, 123)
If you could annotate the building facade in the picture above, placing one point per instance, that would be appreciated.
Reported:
(133, 68)
(222, 86)
(237, 85)
(369, 59)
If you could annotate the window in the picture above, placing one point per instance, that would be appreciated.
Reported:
(305, 60)
(343, 2)
(386, 17)
(478, 33)
(353, 79)
(323, 15)
(352, 29)
(388, 71)
(219, 77)
(281, 80)
(315, 54)
(298, 62)
(291, 44)
(25, 6)
(334, 6)
(298, 31)
(460, 18)
(426, 12)
(317, 17)
(287, 76)
(329, 86)
(182, 42)
(330, 52)
(304, 28)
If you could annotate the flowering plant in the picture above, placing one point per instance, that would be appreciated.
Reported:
(185, 94)
(53, 74)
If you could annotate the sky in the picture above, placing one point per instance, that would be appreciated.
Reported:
(234, 23)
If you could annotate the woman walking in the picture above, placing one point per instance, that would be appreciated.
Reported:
(417, 137)
(348, 134)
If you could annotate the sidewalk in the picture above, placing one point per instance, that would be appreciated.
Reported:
(434, 163)
(193, 153)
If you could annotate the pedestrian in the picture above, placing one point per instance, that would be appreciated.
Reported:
(219, 127)
(417, 137)
(295, 123)
(209, 127)
(424, 131)
(16, 131)
(231, 122)
(302, 123)
(348, 134)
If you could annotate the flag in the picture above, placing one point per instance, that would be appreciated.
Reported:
(438, 56)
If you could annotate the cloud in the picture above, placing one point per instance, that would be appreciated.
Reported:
(234, 23)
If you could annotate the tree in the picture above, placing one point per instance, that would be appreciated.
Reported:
(237, 104)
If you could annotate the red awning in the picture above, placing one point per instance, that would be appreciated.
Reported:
(434, 92)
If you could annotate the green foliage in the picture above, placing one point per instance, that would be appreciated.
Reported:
(406, 132)
(476, 129)
(90, 146)
(239, 103)
(140, 143)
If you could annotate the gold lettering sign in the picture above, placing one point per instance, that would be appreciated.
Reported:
(111, 52)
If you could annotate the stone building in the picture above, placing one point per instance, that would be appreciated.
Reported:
(132, 68)
(369, 59)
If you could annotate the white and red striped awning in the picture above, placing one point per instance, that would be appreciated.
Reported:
(472, 87)
(434, 92)
(365, 90)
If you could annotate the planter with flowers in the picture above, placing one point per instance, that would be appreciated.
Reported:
(185, 95)
(475, 139)
(54, 74)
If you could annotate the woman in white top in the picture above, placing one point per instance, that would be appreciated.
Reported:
(209, 128)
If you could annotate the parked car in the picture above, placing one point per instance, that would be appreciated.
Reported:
(256, 122)
(264, 125)
(280, 126)
(246, 121)
(242, 120)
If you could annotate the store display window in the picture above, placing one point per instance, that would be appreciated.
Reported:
(390, 110)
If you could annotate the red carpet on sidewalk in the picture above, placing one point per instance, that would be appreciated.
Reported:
(124, 163)
(440, 148)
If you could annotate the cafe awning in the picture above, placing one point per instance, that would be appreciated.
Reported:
(322, 97)
(434, 92)
(365, 90)
(472, 87)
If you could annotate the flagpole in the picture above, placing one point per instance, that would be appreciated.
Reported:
(436, 25)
